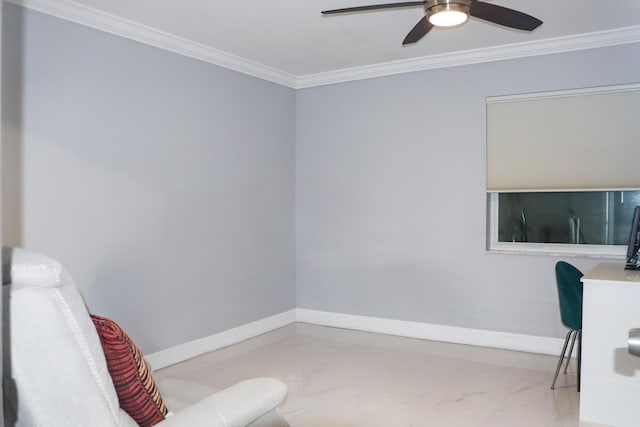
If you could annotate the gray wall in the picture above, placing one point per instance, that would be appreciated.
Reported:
(164, 184)
(390, 195)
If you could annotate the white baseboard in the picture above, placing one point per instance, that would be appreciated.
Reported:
(426, 331)
(402, 328)
(188, 350)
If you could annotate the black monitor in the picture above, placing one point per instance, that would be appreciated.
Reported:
(634, 242)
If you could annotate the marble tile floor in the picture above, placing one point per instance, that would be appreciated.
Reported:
(344, 378)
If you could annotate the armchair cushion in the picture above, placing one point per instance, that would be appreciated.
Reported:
(136, 389)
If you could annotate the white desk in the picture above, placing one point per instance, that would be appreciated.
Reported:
(610, 384)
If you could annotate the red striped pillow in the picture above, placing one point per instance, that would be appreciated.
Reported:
(137, 392)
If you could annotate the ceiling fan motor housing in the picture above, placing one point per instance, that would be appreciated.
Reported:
(432, 7)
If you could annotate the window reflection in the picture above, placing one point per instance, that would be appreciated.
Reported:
(586, 217)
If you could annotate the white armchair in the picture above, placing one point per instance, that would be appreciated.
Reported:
(56, 373)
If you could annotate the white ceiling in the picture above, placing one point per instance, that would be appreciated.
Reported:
(291, 39)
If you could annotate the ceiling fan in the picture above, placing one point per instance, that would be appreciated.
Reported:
(449, 13)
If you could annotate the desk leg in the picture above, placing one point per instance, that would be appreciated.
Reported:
(579, 356)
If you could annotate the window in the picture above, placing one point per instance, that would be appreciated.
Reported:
(579, 222)
(562, 174)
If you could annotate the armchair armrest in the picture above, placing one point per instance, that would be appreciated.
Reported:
(235, 406)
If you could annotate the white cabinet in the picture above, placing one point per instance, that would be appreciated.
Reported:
(610, 375)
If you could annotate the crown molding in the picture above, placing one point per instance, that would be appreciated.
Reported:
(93, 18)
(90, 17)
(476, 56)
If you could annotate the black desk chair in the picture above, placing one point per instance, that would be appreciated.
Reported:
(570, 296)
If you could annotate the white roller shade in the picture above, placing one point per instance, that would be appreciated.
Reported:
(571, 140)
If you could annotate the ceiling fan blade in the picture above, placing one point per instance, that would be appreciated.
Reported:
(503, 16)
(374, 7)
(419, 31)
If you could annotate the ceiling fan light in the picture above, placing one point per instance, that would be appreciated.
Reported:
(448, 14)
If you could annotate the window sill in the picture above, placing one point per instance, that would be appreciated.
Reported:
(556, 250)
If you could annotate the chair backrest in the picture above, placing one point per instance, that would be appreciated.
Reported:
(570, 294)
(55, 369)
